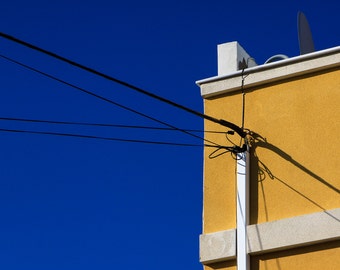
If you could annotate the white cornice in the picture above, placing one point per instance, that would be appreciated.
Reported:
(263, 74)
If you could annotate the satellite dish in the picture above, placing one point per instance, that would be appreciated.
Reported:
(305, 35)
(306, 43)
(276, 58)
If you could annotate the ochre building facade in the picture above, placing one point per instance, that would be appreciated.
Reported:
(290, 109)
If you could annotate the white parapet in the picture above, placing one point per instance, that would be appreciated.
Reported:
(228, 81)
(232, 57)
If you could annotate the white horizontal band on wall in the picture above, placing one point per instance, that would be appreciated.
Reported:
(271, 236)
(219, 246)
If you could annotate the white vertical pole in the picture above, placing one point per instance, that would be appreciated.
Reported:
(242, 210)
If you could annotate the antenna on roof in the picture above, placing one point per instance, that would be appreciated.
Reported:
(304, 34)
(276, 58)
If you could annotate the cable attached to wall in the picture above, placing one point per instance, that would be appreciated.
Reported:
(243, 97)
(246, 141)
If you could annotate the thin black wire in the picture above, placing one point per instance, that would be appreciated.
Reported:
(243, 97)
(103, 138)
(222, 122)
(102, 98)
(227, 137)
(100, 124)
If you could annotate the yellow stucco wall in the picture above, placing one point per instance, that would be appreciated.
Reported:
(294, 166)
(316, 257)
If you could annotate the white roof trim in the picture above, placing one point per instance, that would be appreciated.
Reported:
(271, 72)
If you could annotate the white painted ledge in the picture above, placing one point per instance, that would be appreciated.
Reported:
(219, 246)
(294, 232)
(272, 236)
(267, 73)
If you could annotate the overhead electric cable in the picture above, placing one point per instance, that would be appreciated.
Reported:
(103, 98)
(103, 138)
(101, 125)
(222, 122)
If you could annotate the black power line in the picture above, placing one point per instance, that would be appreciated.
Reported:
(104, 99)
(101, 125)
(105, 138)
(222, 122)
(232, 149)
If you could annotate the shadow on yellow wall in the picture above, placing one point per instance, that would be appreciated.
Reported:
(263, 172)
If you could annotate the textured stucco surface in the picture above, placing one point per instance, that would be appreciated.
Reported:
(295, 163)
(295, 158)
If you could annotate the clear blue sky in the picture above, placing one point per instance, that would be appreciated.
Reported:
(73, 203)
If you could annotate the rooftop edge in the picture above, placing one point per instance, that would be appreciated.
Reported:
(270, 72)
